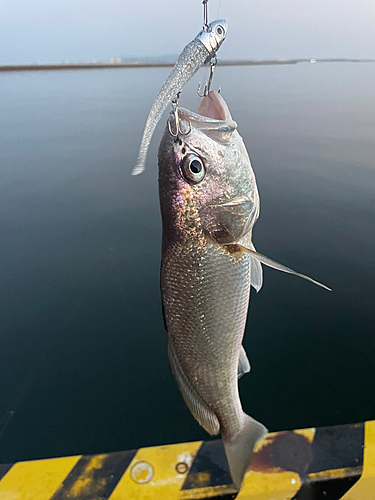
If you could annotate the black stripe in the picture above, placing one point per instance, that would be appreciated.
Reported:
(4, 468)
(338, 447)
(210, 467)
(331, 489)
(104, 480)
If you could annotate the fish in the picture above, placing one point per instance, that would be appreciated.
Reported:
(209, 204)
(198, 52)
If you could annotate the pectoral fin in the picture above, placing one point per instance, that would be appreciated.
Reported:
(205, 417)
(275, 265)
(256, 272)
(243, 363)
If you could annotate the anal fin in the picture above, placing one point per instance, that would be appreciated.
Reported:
(243, 363)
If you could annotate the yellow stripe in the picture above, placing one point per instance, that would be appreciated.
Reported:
(335, 474)
(309, 434)
(36, 480)
(269, 486)
(152, 473)
(364, 489)
(207, 492)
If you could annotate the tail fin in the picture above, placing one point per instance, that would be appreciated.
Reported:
(240, 449)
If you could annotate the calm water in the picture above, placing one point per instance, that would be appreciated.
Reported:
(83, 362)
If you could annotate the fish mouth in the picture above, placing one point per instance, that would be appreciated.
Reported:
(213, 115)
(213, 106)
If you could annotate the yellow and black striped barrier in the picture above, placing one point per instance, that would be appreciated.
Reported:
(328, 463)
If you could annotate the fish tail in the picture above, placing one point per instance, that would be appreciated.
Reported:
(240, 449)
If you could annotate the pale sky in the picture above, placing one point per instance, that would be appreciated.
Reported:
(77, 30)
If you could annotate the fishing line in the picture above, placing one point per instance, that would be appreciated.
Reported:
(218, 10)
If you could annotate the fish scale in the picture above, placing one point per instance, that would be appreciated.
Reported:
(211, 319)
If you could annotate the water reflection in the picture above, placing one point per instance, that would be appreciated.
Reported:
(80, 250)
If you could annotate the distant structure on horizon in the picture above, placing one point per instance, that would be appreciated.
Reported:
(161, 62)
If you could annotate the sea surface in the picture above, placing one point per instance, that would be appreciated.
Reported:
(83, 353)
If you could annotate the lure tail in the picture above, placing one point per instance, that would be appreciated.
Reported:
(190, 60)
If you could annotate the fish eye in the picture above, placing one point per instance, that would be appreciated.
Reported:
(192, 169)
(219, 30)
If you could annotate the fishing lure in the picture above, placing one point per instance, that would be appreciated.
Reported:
(198, 52)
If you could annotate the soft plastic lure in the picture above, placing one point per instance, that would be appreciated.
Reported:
(197, 53)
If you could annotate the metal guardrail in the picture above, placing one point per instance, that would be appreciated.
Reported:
(328, 463)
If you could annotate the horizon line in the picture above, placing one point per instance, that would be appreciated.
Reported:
(144, 63)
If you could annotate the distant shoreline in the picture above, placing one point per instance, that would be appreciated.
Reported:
(149, 64)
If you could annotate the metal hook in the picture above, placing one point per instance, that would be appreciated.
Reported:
(207, 86)
(177, 119)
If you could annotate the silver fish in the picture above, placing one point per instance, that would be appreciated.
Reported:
(197, 53)
(209, 203)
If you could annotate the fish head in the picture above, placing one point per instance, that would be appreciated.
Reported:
(214, 35)
(205, 177)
